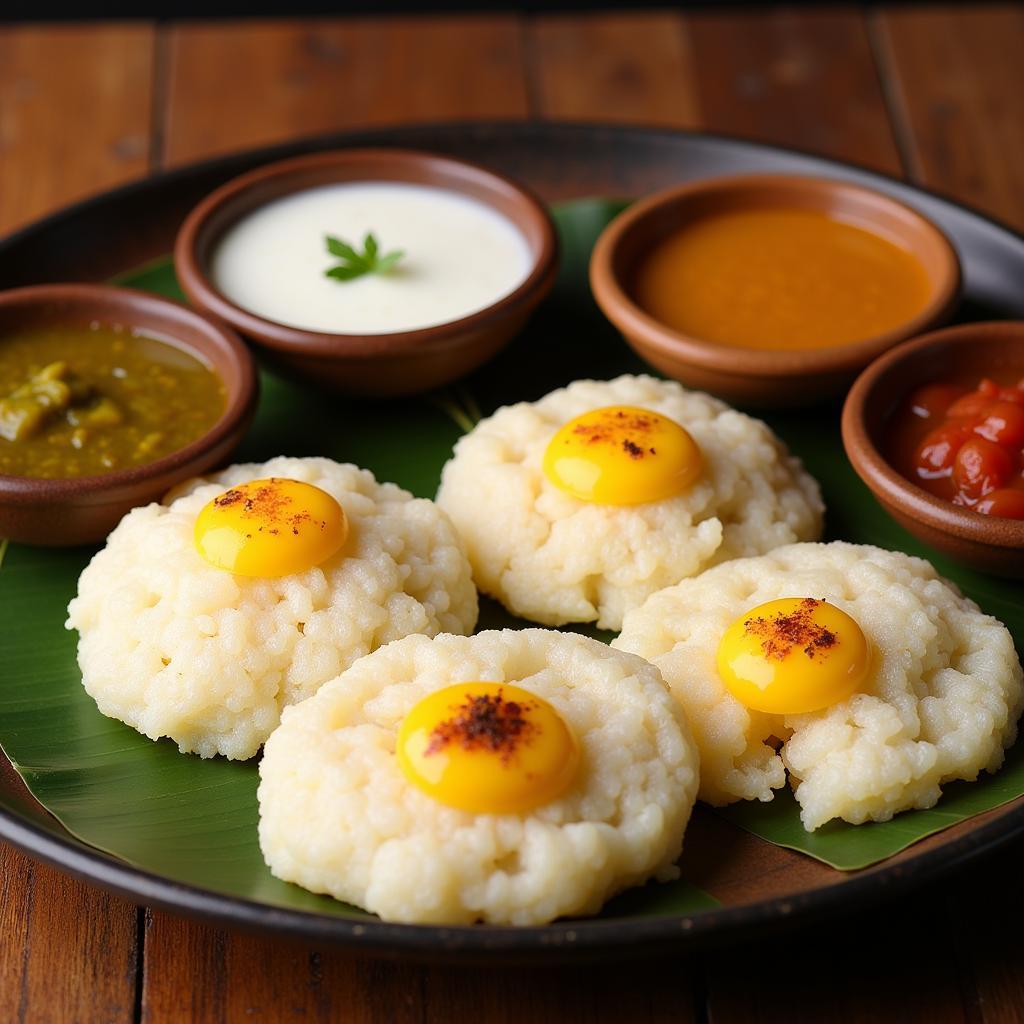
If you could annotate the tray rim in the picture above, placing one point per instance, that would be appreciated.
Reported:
(384, 135)
(592, 938)
(585, 938)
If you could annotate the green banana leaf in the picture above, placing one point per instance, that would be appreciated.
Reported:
(850, 847)
(195, 821)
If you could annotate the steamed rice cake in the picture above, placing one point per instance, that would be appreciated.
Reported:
(176, 647)
(339, 814)
(717, 484)
(939, 698)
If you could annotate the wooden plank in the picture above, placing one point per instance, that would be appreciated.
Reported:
(958, 79)
(74, 119)
(278, 80)
(893, 965)
(205, 975)
(15, 910)
(803, 78)
(637, 993)
(74, 113)
(613, 67)
(184, 971)
(208, 976)
(67, 951)
(987, 904)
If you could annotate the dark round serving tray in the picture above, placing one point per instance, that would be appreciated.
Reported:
(121, 229)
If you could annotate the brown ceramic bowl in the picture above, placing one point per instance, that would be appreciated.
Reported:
(398, 363)
(85, 509)
(759, 377)
(964, 353)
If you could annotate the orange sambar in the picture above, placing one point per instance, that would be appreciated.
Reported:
(780, 279)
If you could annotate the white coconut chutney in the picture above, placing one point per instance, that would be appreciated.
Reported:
(460, 257)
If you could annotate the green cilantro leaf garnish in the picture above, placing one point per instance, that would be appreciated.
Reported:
(354, 264)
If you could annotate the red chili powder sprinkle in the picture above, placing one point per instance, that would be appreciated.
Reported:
(612, 427)
(268, 504)
(231, 497)
(485, 722)
(781, 633)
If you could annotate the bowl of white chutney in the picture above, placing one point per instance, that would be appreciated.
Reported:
(371, 272)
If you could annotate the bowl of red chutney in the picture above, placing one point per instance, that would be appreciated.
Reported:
(935, 428)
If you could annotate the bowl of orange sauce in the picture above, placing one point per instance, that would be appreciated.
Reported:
(772, 290)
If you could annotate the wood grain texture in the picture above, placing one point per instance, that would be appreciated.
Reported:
(67, 950)
(74, 113)
(208, 976)
(895, 963)
(75, 107)
(278, 80)
(15, 911)
(984, 911)
(803, 78)
(613, 67)
(183, 971)
(958, 84)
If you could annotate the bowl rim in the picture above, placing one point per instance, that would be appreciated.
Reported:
(891, 487)
(190, 259)
(240, 398)
(617, 304)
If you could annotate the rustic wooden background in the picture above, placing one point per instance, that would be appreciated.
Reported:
(935, 93)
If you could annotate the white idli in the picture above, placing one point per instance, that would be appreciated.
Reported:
(553, 558)
(338, 816)
(175, 647)
(941, 700)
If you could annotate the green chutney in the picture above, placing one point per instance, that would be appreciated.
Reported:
(83, 401)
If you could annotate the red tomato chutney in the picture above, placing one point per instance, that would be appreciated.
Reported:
(964, 445)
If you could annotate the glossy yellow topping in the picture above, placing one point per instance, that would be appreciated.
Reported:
(622, 455)
(489, 748)
(794, 655)
(270, 528)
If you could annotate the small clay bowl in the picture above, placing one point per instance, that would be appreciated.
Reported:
(760, 377)
(83, 510)
(372, 365)
(964, 353)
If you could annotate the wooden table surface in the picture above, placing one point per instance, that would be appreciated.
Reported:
(932, 93)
